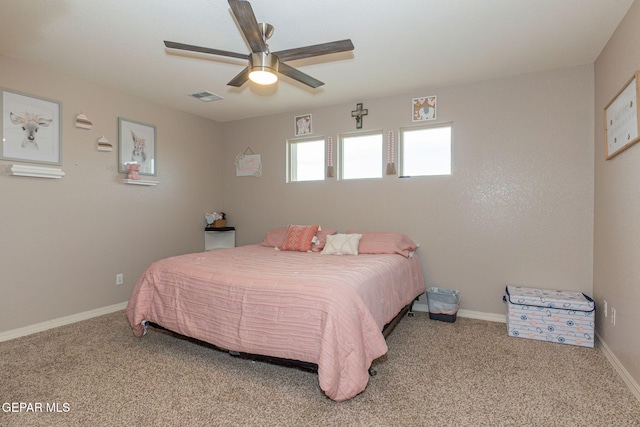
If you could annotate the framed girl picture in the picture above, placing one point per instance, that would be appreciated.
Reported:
(302, 125)
(136, 144)
(31, 130)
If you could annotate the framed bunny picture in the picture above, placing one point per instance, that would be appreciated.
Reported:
(136, 144)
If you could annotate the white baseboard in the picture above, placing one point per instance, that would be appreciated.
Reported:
(61, 321)
(624, 374)
(491, 317)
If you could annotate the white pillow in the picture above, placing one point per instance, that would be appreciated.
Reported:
(342, 244)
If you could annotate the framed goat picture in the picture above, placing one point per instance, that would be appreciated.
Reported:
(31, 129)
(136, 144)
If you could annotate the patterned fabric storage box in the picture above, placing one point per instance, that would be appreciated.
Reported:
(548, 315)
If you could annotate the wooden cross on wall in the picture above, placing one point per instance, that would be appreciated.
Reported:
(358, 113)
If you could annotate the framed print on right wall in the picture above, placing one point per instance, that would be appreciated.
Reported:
(621, 119)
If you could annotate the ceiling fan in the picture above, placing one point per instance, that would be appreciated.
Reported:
(263, 64)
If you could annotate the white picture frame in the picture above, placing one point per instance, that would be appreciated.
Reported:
(302, 125)
(249, 165)
(621, 120)
(137, 144)
(424, 108)
(31, 128)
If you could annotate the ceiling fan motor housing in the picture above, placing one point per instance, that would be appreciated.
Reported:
(262, 61)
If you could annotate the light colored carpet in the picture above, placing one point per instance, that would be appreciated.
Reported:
(469, 373)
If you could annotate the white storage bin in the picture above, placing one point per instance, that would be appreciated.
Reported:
(564, 317)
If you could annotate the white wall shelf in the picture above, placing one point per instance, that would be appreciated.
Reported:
(36, 171)
(139, 182)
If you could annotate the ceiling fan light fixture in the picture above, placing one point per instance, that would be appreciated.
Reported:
(263, 77)
(263, 68)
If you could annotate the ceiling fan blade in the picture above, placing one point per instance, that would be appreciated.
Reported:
(298, 75)
(314, 50)
(247, 20)
(240, 79)
(192, 48)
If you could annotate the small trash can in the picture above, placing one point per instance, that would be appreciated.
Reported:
(443, 304)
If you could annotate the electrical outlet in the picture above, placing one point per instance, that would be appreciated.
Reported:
(119, 279)
(613, 316)
(606, 310)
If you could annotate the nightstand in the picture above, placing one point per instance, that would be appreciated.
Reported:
(220, 237)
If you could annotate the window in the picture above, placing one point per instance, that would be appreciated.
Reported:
(361, 155)
(425, 150)
(306, 160)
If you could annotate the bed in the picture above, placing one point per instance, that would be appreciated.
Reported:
(312, 306)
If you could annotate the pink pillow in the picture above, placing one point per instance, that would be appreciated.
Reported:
(321, 237)
(299, 238)
(275, 238)
(385, 243)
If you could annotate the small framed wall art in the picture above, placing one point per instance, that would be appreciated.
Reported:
(302, 125)
(423, 109)
(248, 163)
(136, 144)
(621, 118)
(31, 130)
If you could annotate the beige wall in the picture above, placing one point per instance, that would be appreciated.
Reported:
(617, 205)
(518, 208)
(62, 242)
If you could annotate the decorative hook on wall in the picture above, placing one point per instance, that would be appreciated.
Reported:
(83, 121)
(104, 144)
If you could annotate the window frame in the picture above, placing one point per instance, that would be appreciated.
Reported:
(289, 163)
(340, 153)
(401, 147)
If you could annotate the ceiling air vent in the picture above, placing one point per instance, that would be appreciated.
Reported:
(206, 96)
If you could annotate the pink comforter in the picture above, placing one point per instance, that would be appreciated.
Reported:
(323, 309)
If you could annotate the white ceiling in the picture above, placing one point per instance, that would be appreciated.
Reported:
(401, 46)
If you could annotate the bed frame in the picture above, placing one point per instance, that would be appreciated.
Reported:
(386, 331)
